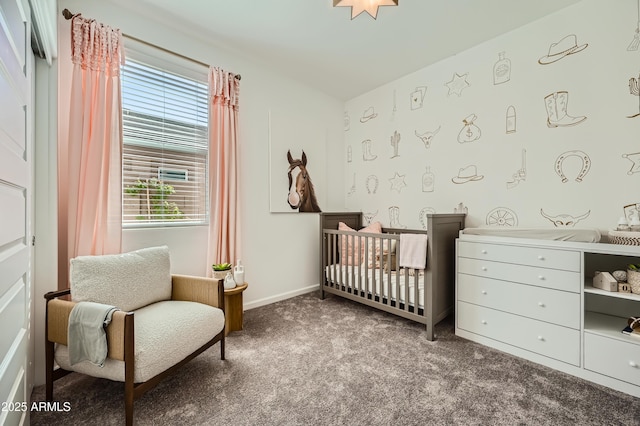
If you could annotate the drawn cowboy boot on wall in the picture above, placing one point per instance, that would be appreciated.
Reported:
(556, 104)
(394, 217)
(366, 151)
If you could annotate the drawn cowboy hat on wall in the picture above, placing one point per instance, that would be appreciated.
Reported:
(567, 46)
(368, 114)
(467, 174)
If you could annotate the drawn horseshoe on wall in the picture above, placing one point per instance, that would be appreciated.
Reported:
(372, 184)
(586, 164)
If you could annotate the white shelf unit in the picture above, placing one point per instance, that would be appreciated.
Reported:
(536, 276)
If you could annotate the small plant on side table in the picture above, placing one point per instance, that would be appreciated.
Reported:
(220, 270)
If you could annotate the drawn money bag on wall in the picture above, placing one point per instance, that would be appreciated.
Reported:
(470, 132)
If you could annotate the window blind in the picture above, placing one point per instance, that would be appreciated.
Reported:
(165, 146)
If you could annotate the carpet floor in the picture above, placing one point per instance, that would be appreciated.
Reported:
(306, 361)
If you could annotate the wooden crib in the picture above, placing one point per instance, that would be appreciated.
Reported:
(374, 277)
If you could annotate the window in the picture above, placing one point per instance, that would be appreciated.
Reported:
(165, 147)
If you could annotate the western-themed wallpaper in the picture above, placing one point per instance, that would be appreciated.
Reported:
(539, 127)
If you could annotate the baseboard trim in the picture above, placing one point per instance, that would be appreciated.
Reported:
(282, 296)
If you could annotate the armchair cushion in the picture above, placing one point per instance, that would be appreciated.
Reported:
(128, 281)
(165, 334)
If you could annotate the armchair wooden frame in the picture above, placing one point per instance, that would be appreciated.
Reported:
(121, 332)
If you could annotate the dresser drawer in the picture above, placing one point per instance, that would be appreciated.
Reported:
(554, 306)
(546, 339)
(544, 257)
(612, 357)
(550, 278)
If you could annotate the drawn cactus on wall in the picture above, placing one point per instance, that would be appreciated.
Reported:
(634, 89)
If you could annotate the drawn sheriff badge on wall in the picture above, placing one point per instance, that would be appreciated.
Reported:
(427, 137)
(397, 182)
(635, 159)
(564, 220)
(457, 84)
(469, 132)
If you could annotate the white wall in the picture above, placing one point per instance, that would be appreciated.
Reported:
(289, 241)
(596, 79)
(267, 238)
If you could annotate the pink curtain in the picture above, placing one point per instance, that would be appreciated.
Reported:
(224, 188)
(90, 218)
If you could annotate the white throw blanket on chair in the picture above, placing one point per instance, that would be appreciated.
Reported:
(87, 338)
(413, 251)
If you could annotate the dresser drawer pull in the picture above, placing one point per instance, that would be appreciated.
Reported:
(483, 251)
(541, 257)
(541, 277)
(541, 304)
(484, 291)
(484, 268)
(633, 364)
(541, 338)
(483, 322)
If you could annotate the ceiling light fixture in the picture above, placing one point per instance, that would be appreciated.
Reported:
(359, 6)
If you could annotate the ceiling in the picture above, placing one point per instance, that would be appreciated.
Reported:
(319, 45)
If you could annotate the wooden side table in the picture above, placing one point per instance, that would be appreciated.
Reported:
(233, 308)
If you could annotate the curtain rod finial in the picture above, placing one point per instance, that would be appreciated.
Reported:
(67, 14)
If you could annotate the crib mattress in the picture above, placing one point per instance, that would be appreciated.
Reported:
(356, 277)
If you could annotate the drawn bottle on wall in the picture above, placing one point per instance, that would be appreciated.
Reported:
(428, 180)
(511, 119)
(501, 69)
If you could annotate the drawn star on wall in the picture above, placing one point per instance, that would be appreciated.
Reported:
(457, 84)
(397, 182)
(359, 6)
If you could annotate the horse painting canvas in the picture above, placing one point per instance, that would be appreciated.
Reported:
(302, 195)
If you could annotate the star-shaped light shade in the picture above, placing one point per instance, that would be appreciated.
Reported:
(369, 6)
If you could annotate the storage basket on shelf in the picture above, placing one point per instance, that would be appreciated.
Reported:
(628, 238)
(633, 279)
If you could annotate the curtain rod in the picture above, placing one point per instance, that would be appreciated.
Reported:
(68, 15)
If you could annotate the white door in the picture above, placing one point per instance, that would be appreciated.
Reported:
(16, 61)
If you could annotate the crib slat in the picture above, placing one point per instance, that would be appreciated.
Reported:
(416, 292)
(407, 280)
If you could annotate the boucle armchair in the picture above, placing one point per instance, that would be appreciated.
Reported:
(162, 322)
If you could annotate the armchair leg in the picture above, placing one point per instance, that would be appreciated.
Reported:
(49, 352)
(222, 346)
(129, 369)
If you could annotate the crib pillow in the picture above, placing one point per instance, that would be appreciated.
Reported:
(351, 252)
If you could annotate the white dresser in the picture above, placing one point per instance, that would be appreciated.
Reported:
(534, 299)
